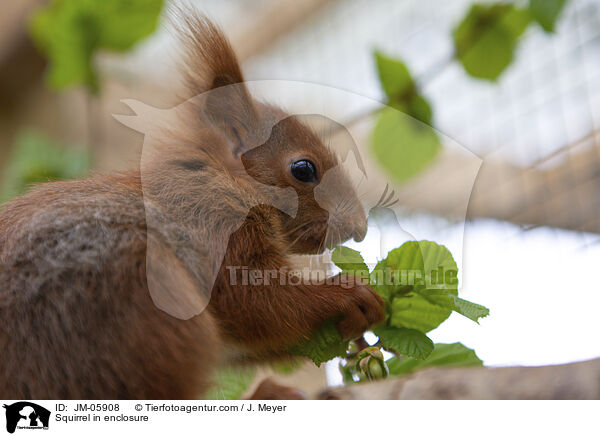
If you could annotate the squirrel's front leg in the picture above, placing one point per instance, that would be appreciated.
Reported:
(264, 309)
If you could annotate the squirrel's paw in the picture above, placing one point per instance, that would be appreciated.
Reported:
(362, 307)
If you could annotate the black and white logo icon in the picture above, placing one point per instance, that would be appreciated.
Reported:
(26, 415)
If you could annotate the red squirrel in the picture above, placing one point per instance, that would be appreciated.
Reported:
(78, 319)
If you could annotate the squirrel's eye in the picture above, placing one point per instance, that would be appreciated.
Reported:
(304, 170)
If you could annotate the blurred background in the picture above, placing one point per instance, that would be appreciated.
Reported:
(510, 182)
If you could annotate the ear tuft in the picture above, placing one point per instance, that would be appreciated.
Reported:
(210, 61)
(211, 65)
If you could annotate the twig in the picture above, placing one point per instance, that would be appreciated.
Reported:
(361, 343)
(421, 82)
(394, 352)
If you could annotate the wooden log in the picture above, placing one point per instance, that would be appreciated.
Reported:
(573, 381)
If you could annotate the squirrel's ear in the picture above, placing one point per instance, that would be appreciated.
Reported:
(231, 111)
(212, 67)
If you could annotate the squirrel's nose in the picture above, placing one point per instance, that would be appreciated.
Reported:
(360, 232)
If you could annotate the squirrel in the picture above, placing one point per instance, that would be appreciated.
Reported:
(119, 286)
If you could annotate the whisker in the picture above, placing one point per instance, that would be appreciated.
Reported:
(304, 233)
(298, 227)
(393, 202)
(382, 195)
(389, 197)
(323, 242)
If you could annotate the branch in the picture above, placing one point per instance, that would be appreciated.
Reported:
(574, 381)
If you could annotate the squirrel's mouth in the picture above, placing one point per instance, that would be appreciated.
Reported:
(337, 235)
(326, 235)
(317, 243)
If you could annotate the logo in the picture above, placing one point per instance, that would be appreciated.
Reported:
(26, 415)
(335, 202)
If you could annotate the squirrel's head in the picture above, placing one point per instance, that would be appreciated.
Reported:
(294, 156)
(224, 126)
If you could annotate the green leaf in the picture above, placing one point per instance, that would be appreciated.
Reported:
(415, 262)
(37, 159)
(417, 313)
(395, 78)
(350, 261)
(546, 12)
(124, 22)
(408, 342)
(418, 108)
(231, 383)
(70, 32)
(403, 141)
(443, 355)
(415, 265)
(486, 39)
(515, 21)
(379, 281)
(324, 345)
(473, 311)
(443, 298)
(402, 144)
(401, 89)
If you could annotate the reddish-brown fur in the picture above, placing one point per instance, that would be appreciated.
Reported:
(76, 316)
